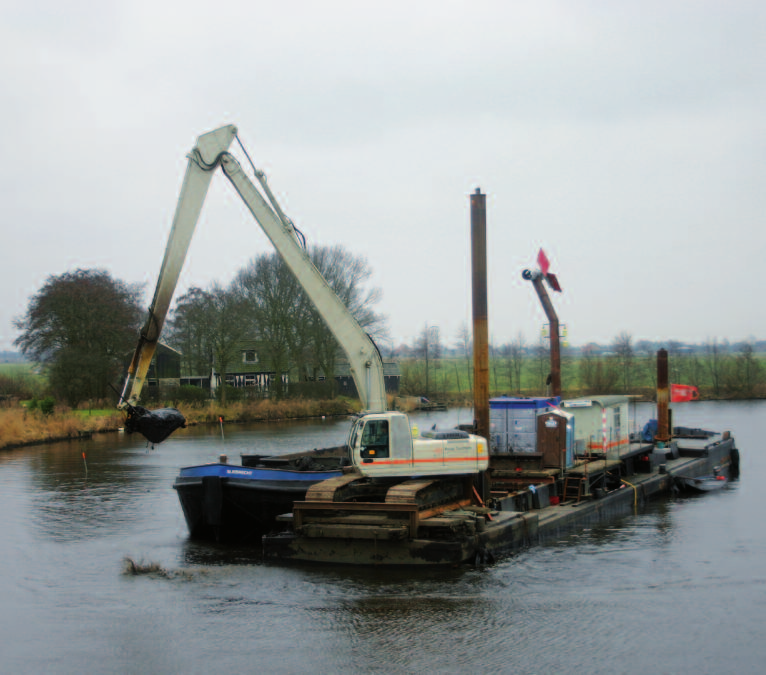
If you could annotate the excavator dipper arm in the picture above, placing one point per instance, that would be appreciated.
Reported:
(210, 152)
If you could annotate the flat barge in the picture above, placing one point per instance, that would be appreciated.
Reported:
(528, 504)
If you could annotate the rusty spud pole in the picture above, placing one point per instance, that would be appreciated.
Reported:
(553, 320)
(480, 320)
(663, 415)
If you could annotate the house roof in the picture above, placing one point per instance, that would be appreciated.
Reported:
(164, 347)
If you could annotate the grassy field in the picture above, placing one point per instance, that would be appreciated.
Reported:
(731, 376)
(16, 369)
(20, 379)
(21, 371)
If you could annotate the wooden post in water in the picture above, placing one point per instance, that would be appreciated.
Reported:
(663, 415)
(480, 320)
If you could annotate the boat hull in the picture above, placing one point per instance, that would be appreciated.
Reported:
(240, 503)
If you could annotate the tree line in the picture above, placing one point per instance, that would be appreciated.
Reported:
(82, 326)
(266, 306)
(717, 368)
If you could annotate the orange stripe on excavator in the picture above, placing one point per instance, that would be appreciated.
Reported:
(421, 461)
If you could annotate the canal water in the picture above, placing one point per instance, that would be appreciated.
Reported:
(678, 587)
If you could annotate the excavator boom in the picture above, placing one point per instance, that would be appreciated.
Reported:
(211, 152)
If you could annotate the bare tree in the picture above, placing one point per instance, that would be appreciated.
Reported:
(428, 347)
(625, 358)
(412, 382)
(518, 353)
(188, 330)
(213, 323)
(347, 275)
(744, 374)
(597, 374)
(465, 345)
(227, 310)
(504, 353)
(695, 370)
(287, 323)
(646, 354)
(716, 357)
(677, 353)
(270, 291)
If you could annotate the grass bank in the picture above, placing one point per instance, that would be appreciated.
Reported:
(265, 410)
(20, 427)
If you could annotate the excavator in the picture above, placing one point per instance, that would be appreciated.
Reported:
(381, 443)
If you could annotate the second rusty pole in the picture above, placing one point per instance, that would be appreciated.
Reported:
(553, 320)
(480, 320)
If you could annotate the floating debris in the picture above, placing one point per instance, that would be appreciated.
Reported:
(134, 568)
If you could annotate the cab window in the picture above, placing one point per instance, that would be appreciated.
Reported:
(354, 435)
(375, 440)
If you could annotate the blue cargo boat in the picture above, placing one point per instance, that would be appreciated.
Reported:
(239, 503)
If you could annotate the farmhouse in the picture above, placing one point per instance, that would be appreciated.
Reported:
(249, 371)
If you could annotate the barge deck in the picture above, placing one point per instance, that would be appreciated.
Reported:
(547, 507)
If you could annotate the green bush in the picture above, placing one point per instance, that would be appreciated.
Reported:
(188, 393)
(232, 393)
(47, 405)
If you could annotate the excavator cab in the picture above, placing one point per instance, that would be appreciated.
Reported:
(381, 443)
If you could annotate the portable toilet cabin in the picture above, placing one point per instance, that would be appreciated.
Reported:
(513, 423)
(556, 438)
(601, 424)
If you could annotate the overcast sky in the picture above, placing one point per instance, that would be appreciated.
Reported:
(627, 139)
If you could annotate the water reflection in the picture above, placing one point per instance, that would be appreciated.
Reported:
(75, 497)
(677, 587)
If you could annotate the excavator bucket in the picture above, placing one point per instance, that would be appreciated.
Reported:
(154, 425)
